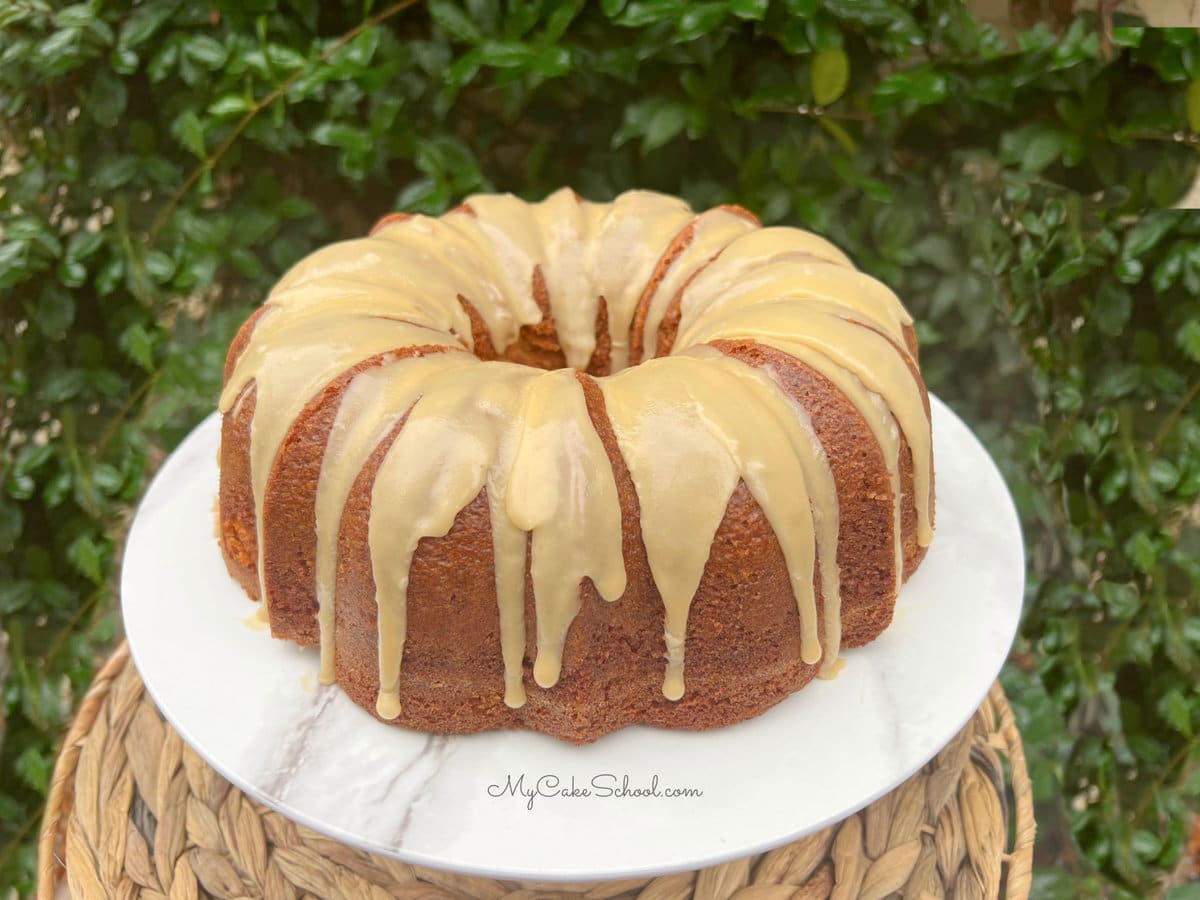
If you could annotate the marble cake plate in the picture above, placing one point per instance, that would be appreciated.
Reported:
(639, 802)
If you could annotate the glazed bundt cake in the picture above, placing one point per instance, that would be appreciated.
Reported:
(571, 466)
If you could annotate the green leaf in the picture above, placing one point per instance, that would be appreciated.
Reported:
(164, 60)
(358, 52)
(71, 273)
(1149, 230)
(513, 54)
(655, 121)
(560, 19)
(33, 767)
(145, 20)
(15, 596)
(284, 58)
(341, 134)
(86, 556)
(1043, 147)
(640, 13)
(1170, 268)
(1146, 844)
(839, 134)
(1118, 381)
(137, 343)
(895, 28)
(206, 51)
(230, 105)
(666, 122)
(700, 19)
(1112, 307)
(124, 61)
(1068, 271)
(54, 313)
(159, 266)
(63, 384)
(451, 19)
(919, 87)
(1128, 270)
(1175, 709)
(1188, 338)
(1142, 551)
(1121, 600)
(190, 132)
(109, 276)
(107, 478)
(1193, 105)
(1053, 884)
(77, 15)
(868, 12)
(1128, 35)
(830, 75)
(754, 10)
(107, 98)
(1163, 474)
(11, 523)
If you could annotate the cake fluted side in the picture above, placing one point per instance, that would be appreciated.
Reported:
(742, 657)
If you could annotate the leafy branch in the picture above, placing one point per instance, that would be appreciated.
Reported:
(210, 162)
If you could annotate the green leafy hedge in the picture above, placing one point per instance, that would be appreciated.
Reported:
(163, 162)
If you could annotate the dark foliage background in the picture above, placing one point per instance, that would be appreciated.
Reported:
(163, 162)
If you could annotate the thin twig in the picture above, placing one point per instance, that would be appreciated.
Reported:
(11, 847)
(1176, 137)
(114, 423)
(814, 112)
(1105, 8)
(1114, 638)
(817, 112)
(280, 89)
(1173, 417)
(1151, 790)
(68, 628)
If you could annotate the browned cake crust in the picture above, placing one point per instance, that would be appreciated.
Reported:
(743, 655)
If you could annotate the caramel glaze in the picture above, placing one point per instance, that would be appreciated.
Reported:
(742, 649)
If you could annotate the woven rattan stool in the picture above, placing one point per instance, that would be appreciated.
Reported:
(133, 812)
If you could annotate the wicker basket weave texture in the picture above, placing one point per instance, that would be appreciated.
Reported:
(134, 812)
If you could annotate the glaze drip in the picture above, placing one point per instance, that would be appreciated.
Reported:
(683, 423)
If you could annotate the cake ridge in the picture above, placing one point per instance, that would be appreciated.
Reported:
(714, 229)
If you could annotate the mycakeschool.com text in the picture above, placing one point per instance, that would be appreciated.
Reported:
(530, 788)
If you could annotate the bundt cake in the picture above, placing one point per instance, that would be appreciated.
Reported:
(571, 466)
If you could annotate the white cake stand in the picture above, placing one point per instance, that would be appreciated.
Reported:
(252, 708)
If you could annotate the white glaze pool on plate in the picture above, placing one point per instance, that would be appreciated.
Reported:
(249, 705)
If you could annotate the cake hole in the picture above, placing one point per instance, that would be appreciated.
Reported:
(538, 345)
